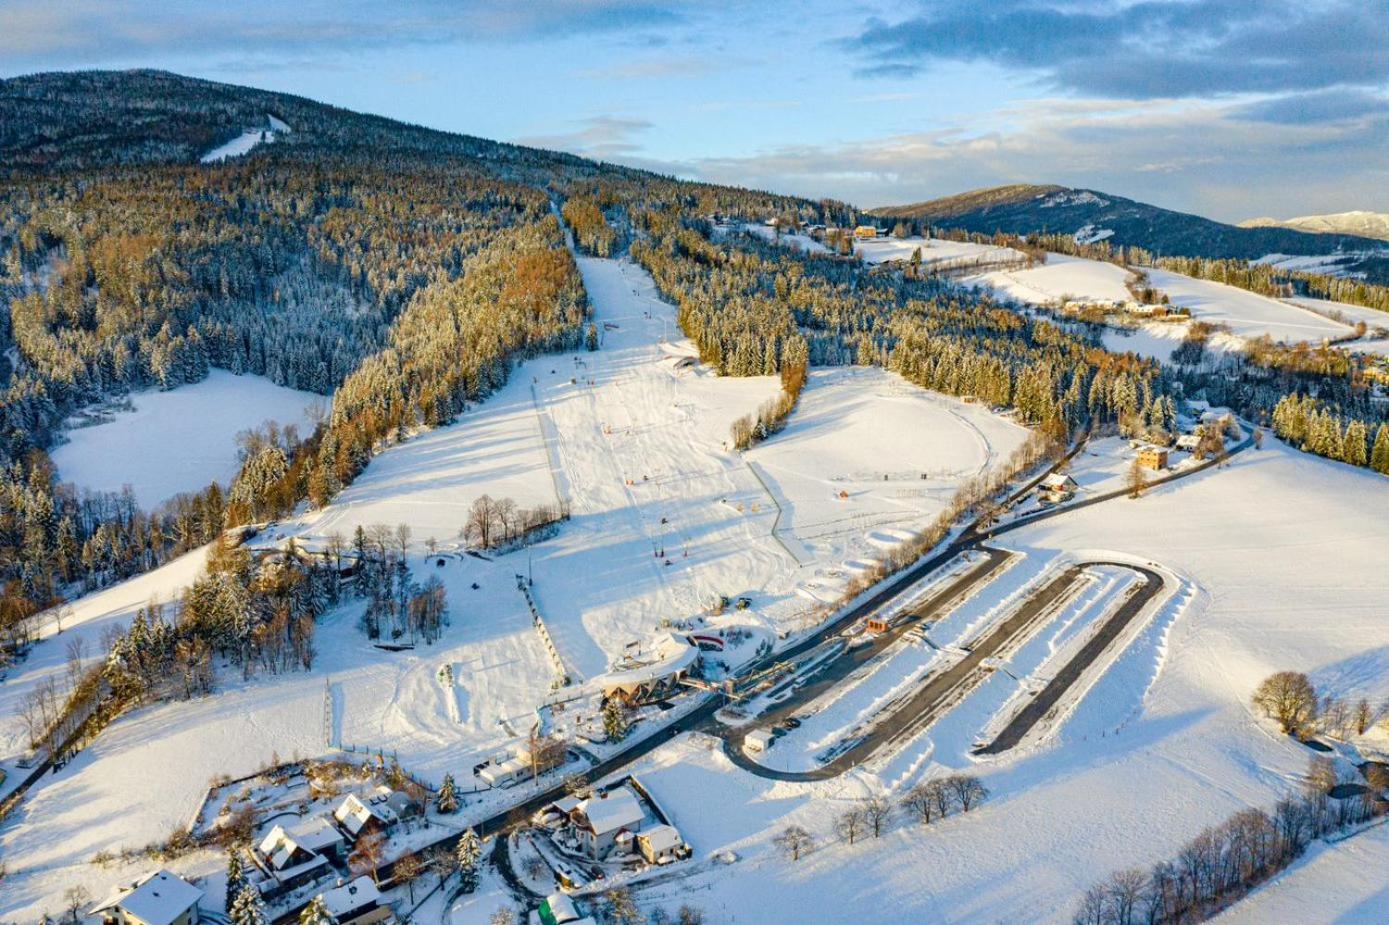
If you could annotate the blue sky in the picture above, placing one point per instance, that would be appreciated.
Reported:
(1230, 108)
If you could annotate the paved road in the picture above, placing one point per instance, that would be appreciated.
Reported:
(940, 692)
(1030, 715)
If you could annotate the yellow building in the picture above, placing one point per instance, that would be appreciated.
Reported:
(865, 231)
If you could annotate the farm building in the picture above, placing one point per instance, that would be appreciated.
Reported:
(160, 898)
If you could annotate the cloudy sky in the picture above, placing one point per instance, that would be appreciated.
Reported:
(1230, 108)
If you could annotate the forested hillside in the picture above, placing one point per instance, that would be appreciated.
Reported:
(401, 269)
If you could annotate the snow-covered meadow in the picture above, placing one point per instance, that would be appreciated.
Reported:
(180, 440)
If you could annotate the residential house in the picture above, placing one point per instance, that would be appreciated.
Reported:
(661, 844)
(301, 852)
(1152, 457)
(356, 903)
(160, 898)
(357, 817)
(600, 819)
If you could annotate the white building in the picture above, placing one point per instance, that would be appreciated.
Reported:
(660, 844)
(600, 819)
(759, 740)
(160, 898)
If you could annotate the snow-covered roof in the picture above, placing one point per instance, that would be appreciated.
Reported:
(354, 814)
(315, 833)
(557, 909)
(612, 810)
(762, 737)
(158, 899)
(661, 838)
(349, 898)
(674, 654)
(1057, 480)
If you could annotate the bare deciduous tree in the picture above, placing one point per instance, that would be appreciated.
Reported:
(795, 841)
(850, 824)
(877, 810)
(1287, 697)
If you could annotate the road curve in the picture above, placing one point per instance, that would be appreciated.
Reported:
(1028, 717)
(934, 698)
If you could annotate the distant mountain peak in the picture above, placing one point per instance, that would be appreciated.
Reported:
(1358, 222)
(1091, 215)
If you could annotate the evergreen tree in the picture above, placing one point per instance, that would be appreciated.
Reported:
(247, 908)
(316, 913)
(614, 721)
(468, 853)
(448, 795)
(236, 879)
(1379, 458)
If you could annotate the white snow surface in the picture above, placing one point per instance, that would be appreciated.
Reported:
(1061, 278)
(179, 440)
(1343, 882)
(933, 250)
(898, 452)
(1248, 314)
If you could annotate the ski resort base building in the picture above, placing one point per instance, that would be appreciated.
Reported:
(644, 680)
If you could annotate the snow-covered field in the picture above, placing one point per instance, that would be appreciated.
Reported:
(1247, 314)
(179, 440)
(868, 459)
(1061, 278)
(933, 250)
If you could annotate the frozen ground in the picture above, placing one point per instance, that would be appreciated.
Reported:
(1344, 883)
(1276, 558)
(869, 458)
(179, 440)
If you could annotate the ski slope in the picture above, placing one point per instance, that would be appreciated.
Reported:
(180, 440)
